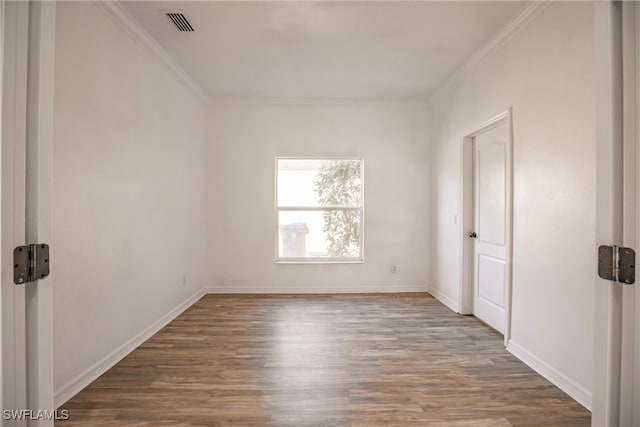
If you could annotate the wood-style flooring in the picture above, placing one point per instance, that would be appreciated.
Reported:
(338, 360)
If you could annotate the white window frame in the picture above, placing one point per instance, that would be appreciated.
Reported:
(278, 209)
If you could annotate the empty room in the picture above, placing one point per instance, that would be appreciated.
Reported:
(320, 213)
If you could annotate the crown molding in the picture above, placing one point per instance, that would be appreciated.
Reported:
(129, 25)
(522, 19)
(313, 101)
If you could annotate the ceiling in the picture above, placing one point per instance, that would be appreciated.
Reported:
(323, 49)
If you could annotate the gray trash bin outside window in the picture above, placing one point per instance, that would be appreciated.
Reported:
(294, 239)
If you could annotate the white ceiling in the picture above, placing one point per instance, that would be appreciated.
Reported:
(325, 49)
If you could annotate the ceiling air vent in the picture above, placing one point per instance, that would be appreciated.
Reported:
(180, 21)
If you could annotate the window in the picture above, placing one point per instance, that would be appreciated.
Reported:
(319, 211)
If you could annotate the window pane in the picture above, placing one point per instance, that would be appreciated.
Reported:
(329, 234)
(319, 182)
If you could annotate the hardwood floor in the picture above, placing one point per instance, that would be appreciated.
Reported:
(339, 360)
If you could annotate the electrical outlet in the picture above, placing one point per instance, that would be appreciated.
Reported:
(394, 268)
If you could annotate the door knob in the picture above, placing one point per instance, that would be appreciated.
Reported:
(473, 235)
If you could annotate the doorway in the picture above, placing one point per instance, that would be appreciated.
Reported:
(487, 223)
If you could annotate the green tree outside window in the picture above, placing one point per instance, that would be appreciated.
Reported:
(339, 183)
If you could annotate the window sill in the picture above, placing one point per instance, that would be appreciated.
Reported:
(318, 261)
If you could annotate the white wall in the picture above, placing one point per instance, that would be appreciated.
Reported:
(128, 192)
(545, 73)
(243, 141)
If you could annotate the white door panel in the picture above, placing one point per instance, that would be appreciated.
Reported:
(490, 249)
(491, 270)
(491, 187)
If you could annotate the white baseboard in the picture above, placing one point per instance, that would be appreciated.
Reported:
(71, 388)
(221, 289)
(453, 305)
(564, 383)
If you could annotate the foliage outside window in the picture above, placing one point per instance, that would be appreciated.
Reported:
(319, 210)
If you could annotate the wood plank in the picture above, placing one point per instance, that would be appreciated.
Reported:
(323, 360)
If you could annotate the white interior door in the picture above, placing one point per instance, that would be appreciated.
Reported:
(28, 41)
(490, 246)
(14, 129)
(630, 357)
(616, 348)
(39, 193)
